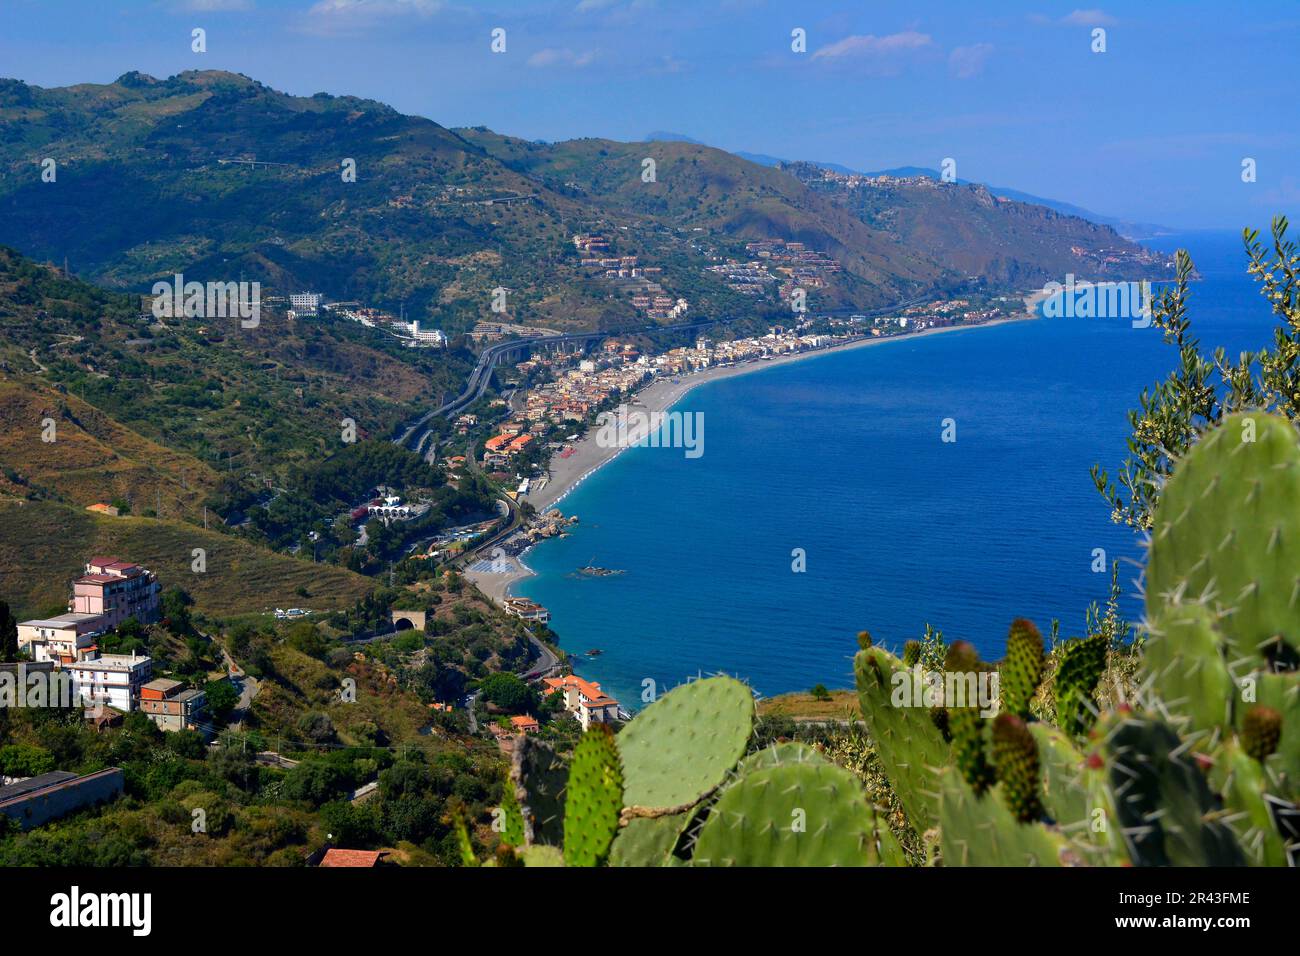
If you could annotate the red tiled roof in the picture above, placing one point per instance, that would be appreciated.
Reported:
(363, 858)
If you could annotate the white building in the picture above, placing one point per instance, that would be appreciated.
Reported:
(306, 303)
(111, 679)
(63, 639)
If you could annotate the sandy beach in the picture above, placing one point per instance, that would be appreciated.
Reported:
(568, 473)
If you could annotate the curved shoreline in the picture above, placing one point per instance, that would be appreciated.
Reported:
(588, 457)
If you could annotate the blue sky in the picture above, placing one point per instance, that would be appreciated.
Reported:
(1153, 129)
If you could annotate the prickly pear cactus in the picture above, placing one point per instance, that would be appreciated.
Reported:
(1015, 755)
(1259, 817)
(648, 841)
(1022, 671)
(795, 814)
(593, 798)
(1183, 662)
(514, 832)
(776, 755)
(539, 776)
(910, 745)
(966, 726)
(1082, 662)
(1227, 532)
(1167, 813)
(978, 831)
(683, 745)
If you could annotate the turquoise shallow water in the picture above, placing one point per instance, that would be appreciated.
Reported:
(840, 455)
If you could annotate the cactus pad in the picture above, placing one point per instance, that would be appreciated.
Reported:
(976, 832)
(1242, 553)
(683, 745)
(910, 746)
(1184, 663)
(647, 841)
(593, 798)
(796, 814)
(1165, 807)
(1082, 662)
(539, 776)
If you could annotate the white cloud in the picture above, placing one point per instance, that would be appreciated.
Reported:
(553, 56)
(968, 61)
(1089, 18)
(216, 6)
(339, 16)
(870, 45)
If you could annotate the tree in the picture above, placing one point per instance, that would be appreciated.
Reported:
(1203, 389)
(8, 634)
(176, 605)
(510, 693)
(222, 698)
(820, 692)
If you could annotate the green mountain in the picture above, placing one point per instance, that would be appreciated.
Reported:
(219, 177)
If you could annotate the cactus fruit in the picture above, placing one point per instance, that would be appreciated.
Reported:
(593, 798)
(1082, 662)
(911, 653)
(976, 832)
(910, 747)
(1261, 729)
(1015, 755)
(1281, 692)
(539, 776)
(1240, 550)
(682, 746)
(965, 725)
(864, 640)
(1184, 667)
(795, 814)
(1022, 671)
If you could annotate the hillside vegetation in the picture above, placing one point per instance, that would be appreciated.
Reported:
(43, 545)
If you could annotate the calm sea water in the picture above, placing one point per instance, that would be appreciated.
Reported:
(840, 455)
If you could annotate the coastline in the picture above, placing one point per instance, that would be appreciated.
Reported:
(566, 474)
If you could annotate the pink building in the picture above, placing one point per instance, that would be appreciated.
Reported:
(116, 590)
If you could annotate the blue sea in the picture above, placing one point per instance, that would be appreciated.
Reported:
(840, 456)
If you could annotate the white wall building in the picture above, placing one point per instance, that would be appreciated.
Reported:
(62, 639)
(112, 679)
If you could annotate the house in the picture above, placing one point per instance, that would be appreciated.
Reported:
(361, 858)
(103, 509)
(63, 639)
(117, 590)
(525, 724)
(113, 680)
(527, 610)
(584, 699)
(49, 796)
(173, 706)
